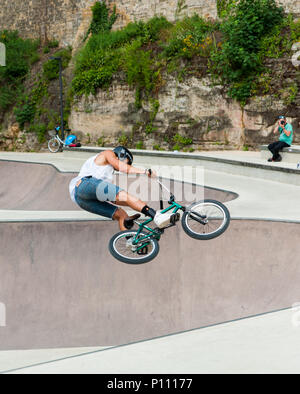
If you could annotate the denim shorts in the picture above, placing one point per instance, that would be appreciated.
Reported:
(93, 195)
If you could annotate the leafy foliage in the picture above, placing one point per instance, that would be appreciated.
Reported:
(101, 20)
(238, 61)
(20, 54)
(111, 51)
(187, 36)
(281, 39)
(25, 113)
(51, 67)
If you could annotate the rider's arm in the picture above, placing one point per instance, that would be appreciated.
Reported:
(121, 165)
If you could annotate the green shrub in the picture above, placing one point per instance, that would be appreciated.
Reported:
(39, 91)
(40, 130)
(238, 61)
(281, 39)
(89, 81)
(95, 59)
(189, 33)
(34, 59)
(24, 113)
(139, 145)
(101, 20)
(123, 139)
(53, 44)
(139, 66)
(51, 67)
(290, 94)
(154, 26)
(181, 141)
(7, 96)
(19, 52)
(157, 147)
(101, 141)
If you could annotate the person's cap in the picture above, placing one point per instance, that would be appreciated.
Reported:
(281, 117)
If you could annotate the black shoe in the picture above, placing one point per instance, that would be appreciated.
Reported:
(279, 158)
(129, 222)
(270, 159)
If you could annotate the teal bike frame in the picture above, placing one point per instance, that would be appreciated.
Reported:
(156, 233)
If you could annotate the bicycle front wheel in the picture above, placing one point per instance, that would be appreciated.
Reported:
(54, 145)
(129, 248)
(206, 219)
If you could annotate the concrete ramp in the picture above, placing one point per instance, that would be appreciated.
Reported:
(62, 288)
(32, 186)
(28, 186)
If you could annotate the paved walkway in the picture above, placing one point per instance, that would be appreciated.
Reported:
(262, 344)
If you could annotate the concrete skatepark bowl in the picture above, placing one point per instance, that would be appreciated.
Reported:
(62, 288)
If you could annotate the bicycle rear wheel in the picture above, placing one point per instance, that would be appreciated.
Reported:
(121, 246)
(53, 145)
(206, 219)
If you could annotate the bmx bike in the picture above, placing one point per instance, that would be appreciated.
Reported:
(203, 220)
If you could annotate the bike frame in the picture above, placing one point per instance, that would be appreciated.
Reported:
(156, 233)
(59, 139)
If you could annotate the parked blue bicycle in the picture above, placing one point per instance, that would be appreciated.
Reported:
(56, 144)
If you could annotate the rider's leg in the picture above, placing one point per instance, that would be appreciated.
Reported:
(94, 196)
(120, 215)
(123, 198)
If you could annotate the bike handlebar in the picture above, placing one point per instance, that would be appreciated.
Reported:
(161, 185)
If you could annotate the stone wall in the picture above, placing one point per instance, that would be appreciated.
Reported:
(192, 109)
(47, 19)
(68, 20)
(130, 10)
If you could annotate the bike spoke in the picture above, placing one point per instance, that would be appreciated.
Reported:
(215, 219)
(124, 249)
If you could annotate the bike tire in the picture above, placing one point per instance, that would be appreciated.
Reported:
(205, 236)
(133, 261)
(54, 145)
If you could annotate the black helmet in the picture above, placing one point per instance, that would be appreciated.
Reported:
(123, 153)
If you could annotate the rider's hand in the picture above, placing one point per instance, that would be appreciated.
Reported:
(151, 173)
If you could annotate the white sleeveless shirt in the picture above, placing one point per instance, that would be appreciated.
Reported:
(90, 168)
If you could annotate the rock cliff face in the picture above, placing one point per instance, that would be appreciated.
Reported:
(192, 109)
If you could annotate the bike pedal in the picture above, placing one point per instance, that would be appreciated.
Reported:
(143, 251)
(174, 218)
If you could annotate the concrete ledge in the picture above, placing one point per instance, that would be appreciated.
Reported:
(289, 155)
(234, 166)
